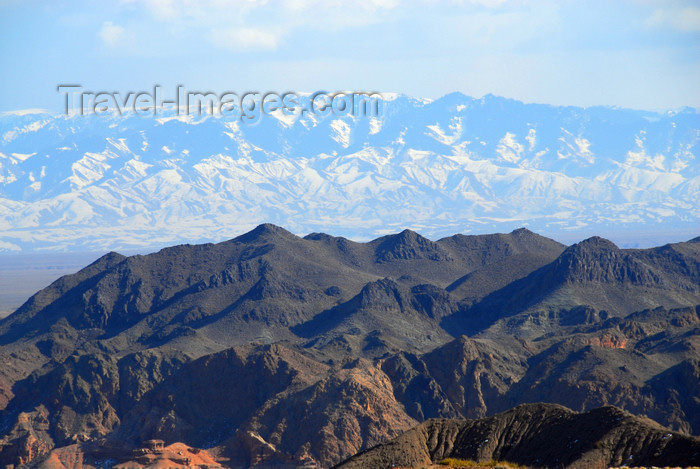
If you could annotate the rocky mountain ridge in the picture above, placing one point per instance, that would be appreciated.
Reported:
(111, 182)
(275, 349)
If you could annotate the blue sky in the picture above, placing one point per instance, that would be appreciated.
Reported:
(642, 54)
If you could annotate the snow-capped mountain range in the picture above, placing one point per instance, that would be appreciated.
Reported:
(456, 164)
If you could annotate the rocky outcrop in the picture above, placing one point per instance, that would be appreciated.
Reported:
(154, 453)
(28, 439)
(71, 403)
(538, 435)
(409, 245)
(350, 410)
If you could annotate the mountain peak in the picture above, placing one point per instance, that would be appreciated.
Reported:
(596, 242)
(381, 293)
(264, 231)
(411, 236)
(597, 259)
(522, 232)
(409, 245)
(454, 98)
(315, 236)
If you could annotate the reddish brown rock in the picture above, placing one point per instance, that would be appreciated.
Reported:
(176, 455)
(29, 438)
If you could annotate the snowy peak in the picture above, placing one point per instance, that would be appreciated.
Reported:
(455, 164)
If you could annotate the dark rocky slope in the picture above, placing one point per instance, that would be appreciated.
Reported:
(595, 273)
(275, 349)
(538, 435)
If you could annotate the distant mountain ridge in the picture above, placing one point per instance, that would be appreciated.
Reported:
(455, 164)
(270, 348)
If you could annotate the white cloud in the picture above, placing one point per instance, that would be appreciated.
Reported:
(685, 19)
(334, 5)
(112, 34)
(481, 3)
(386, 4)
(163, 9)
(487, 3)
(244, 39)
(290, 14)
